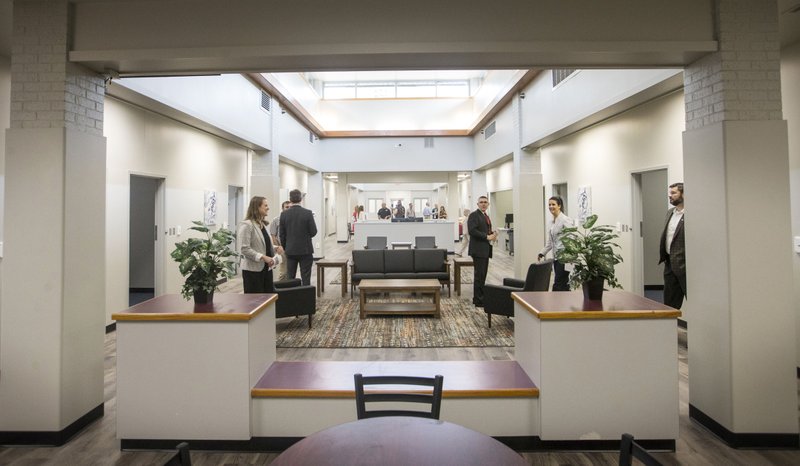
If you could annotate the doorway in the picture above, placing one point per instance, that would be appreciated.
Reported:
(649, 208)
(145, 248)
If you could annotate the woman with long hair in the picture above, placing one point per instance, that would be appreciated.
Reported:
(560, 221)
(258, 254)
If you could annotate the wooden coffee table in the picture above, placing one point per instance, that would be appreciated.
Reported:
(421, 286)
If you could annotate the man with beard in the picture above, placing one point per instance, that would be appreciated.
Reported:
(673, 250)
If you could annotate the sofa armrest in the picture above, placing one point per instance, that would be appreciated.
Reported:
(288, 283)
(514, 282)
(300, 300)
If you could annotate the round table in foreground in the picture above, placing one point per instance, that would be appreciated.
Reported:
(390, 441)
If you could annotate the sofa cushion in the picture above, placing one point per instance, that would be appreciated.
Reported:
(404, 275)
(429, 260)
(437, 275)
(357, 277)
(398, 261)
(367, 261)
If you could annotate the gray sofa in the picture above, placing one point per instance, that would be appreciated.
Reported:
(399, 263)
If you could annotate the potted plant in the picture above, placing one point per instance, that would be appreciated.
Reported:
(590, 249)
(204, 261)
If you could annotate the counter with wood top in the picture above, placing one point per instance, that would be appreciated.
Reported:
(185, 371)
(602, 368)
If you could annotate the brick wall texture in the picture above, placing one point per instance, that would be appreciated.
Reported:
(46, 90)
(742, 80)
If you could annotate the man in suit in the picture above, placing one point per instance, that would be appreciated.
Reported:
(297, 227)
(274, 230)
(481, 235)
(673, 250)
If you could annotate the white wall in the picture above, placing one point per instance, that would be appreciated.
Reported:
(586, 92)
(229, 102)
(395, 155)
(605, 155)
(191, 161)
(354, 115)
(790, 78)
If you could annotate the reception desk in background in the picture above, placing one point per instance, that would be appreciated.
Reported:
(444, 231)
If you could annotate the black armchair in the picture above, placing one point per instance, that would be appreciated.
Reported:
(295, 300)
(497, 298)
(181, 457)
(629, 449)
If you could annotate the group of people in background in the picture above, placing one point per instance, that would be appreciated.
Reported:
(672, 248)
(286, 245)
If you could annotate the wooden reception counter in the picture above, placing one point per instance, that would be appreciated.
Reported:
(602, 368)
(186, 371)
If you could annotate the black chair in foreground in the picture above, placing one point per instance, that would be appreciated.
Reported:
(497, 298)
(181, 458)
(376, 242)
(295, 300)
(424, 242)
(434, 398)
(629, 449)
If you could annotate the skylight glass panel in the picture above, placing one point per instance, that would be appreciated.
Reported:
(339, 91)
(452, 89)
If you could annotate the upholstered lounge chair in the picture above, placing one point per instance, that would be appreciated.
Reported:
(497, 298)
(295, 300)
(424, 242)
(376, 242)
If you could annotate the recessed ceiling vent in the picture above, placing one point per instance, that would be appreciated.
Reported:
(490, 130)
(429, 143)
(266, 101)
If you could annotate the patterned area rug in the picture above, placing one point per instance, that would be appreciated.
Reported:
(337, 325)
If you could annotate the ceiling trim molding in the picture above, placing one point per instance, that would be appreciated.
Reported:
(398, 133)
(292, 106)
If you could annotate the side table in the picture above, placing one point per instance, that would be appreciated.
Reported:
(459, 262)
(321, 264)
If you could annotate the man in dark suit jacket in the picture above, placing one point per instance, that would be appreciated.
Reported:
(481, 234)
(673, 250)
(297, 227)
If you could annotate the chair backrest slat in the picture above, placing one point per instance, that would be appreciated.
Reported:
(395, 394)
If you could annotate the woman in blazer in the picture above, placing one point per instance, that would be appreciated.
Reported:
(258, 254)
(560, 221)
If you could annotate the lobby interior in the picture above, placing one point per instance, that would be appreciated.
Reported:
(189, 118)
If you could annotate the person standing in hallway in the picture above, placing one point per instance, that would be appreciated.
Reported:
(296, 230)
(274, 232)
(464, 233)
(480, 247)
(258, 254)
(426, 211)
(410, 211)
(384, 212)
(672, 250)
(560, 221)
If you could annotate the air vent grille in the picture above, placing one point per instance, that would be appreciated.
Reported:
(266, 101)
(561, 75)
(429, 143)
(490, 130)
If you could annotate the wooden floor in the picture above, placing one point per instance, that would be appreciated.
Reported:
(97, 445)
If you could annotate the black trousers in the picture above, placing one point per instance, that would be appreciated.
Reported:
(674, 287)
(258, 282)
(561, 281)
(481, 267)
(305, 261)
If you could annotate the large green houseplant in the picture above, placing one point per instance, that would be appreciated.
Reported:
(590, 250)
(204, 261)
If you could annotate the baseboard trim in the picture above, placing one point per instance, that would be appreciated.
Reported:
(683, 324)
(744, 441)
(798, 372)
(111, 327)
(54, 439)
(278, 444)
(653, 287)
(343, 242)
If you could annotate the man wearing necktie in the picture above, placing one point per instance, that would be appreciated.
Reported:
(481, 235)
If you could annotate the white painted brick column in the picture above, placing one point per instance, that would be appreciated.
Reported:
(741, 321)
(52, 308)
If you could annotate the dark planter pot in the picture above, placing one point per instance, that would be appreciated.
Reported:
(593, 289)
(203, 297)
